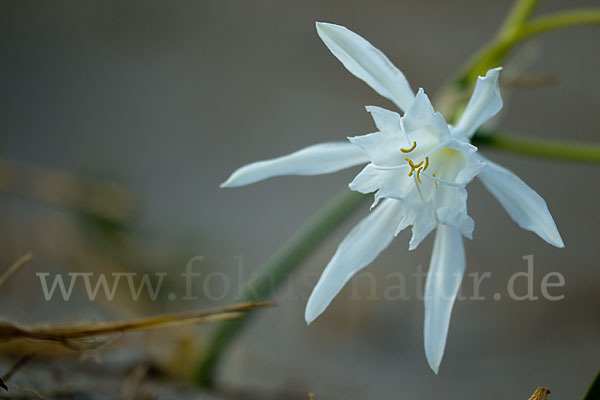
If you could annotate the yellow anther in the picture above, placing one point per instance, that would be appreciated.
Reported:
(414, 145)
(426, 164)
(436, 184)
(419, 175)
(412, 164)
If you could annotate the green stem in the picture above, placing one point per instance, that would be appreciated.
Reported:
(517, 16)
(559, 20)
(593, 392)
(518, 30)
(553, 149)
(275, 270)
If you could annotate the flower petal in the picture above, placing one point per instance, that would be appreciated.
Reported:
(386, 121)
(367, 63)
(369, 238)
(317, 159)
(421, 115)
(473, 163)
(452, 209)
(422, 222)
(485, 102)
(383, 148)
(446, 270)
(391, 183)
(527, 208)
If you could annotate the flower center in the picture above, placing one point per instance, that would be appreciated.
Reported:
(421, 166)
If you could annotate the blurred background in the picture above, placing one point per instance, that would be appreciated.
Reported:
(120, 120)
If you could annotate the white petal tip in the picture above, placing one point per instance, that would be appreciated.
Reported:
(309, 316)
(554, 238)
(557, 242)
(434, 365)
(232, 181)
(323, 25)
(494, 72)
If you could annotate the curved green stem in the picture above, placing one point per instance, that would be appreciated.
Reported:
(517, 16)
(593, 392)
(275, 270)
(512, 34)
(559, 20)
(553, 149)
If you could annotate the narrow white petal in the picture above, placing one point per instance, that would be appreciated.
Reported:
(367, 63)
(362, 245)
(485, 102)
(446, 270)
(472, 168)
(386, 121)
(383, 148)
(422, 227)
(473, 163)
(452, 209)
(317, 159)
(527, 208)
(422, 219)
(391, 184)
(421, 115)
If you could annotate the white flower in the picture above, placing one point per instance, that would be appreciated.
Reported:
(418, 166)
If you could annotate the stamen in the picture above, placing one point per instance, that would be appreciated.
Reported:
(444, 181)
(414, 145)
(426, 164)
(419, 175)
(435, 181)
(412, 164)
(385, 168)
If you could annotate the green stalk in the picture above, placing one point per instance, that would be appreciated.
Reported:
(552, 149)
(518, 27)
(593, 392)
(499, 45)
(275, 270)
(517, 16)
(565, 19)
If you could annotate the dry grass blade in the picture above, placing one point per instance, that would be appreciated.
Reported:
(17, 366)
(13, 370)
(15, 267)
(105, 200)
(540, 393)
(64, 334)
